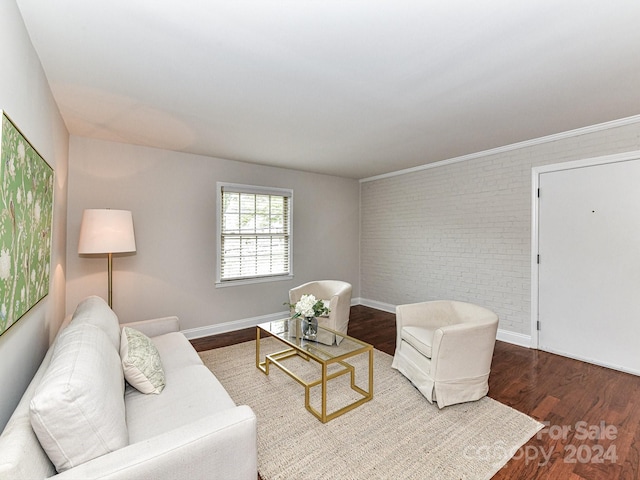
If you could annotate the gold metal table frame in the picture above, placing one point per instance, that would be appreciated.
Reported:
(325, 356)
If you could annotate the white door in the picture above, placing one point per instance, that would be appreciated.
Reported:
(589, 270)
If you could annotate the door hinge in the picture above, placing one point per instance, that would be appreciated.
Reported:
(538, 259)
(538, 325)
(538, 193)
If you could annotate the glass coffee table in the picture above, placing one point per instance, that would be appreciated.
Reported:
(328, 357)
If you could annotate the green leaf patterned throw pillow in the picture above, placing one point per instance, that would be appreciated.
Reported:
(141, 361)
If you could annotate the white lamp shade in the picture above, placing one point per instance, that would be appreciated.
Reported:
(106, 231)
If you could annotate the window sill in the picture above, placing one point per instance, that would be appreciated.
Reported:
(249, 281)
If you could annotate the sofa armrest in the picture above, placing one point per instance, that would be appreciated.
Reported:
(155, 326)
(219, 446)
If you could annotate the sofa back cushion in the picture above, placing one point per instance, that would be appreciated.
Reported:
(95, 311)
(77, 411)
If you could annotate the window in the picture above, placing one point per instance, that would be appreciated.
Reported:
(254, 225)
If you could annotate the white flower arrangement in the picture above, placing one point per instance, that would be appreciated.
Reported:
(308, 306)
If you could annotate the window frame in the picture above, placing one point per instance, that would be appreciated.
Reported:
(254, 190)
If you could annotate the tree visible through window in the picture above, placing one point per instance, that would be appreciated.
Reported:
(255, 232)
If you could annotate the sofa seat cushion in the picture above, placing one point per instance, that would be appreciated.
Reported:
(190, 392)
(419, 338)
(77, 410)
(175, 351)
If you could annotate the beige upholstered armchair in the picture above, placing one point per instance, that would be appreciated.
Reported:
(445, 348)
(339, 295)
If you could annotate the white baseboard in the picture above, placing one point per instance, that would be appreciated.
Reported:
(514, 338)
(385, 307)
(200, 332)
(193, 333)
(594, 361)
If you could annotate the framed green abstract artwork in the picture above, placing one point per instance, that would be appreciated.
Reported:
(26, 211)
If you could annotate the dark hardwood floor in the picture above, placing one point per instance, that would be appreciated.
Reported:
(593, 413)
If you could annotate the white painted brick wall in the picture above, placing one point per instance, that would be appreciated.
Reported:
(463, 230)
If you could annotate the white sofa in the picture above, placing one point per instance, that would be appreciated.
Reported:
(192, 429)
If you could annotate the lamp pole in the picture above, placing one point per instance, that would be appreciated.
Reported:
(110, 270)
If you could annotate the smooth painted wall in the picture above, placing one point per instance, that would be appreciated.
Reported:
(462, 230)
(26, 97)
(173, 200)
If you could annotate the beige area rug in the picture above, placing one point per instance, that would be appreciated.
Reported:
(397, 435)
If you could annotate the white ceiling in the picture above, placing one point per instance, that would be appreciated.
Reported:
(355, 88)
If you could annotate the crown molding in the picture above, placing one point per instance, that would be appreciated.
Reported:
(514, 146)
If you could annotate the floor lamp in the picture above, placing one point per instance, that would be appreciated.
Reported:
(106, 231)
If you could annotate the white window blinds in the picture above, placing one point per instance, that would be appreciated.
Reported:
(255, 232)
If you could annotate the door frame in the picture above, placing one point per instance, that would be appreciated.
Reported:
(535, 247)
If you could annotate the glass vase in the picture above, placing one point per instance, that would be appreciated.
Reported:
(309, 328)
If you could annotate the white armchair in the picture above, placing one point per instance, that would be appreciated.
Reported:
(445, 348)
(339, 295)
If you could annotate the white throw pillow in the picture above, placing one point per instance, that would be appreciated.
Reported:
(77, 410)
(141, 361)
